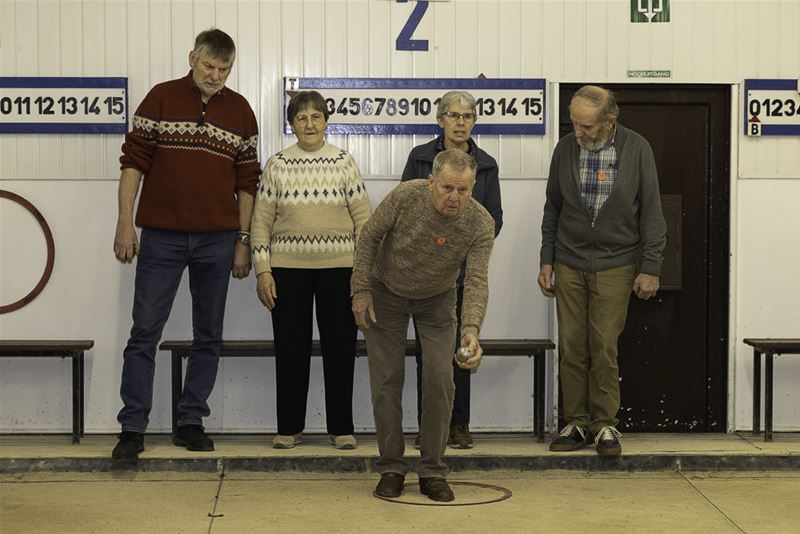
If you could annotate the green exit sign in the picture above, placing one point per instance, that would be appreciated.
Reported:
(649, 11)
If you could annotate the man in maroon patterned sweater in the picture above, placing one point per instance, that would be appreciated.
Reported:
(194, 143)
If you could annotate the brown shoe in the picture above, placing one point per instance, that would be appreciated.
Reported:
(460, 437)
(390, 485)
(436, 489)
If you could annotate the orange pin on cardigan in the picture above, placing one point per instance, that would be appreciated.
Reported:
(441, 240)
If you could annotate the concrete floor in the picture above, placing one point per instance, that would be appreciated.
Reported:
(543, 501)
(222, 499)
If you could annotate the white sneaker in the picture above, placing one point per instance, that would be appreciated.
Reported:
(345, 442)
(286, 442)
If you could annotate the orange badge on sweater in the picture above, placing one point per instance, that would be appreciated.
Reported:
(441, 240)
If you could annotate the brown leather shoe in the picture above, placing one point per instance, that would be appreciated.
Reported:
(436, 489)
(390, 485)
(460, 437)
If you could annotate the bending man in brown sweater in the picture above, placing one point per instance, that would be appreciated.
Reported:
(407, 263)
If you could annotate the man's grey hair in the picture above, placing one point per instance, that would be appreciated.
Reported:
(457, 160)
(451, 97)
(601, 99)
(217, 43)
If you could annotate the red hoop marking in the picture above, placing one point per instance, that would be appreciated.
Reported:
(51, 252)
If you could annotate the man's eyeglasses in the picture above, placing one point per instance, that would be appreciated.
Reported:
(455, 116)
(316, 118)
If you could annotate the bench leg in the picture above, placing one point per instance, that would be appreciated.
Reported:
(76, 402)
(768, 396)
(539, 365)
(177, 386)
(756, 392)
(81, 379)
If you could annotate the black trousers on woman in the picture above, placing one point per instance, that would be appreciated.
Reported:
(298, 290)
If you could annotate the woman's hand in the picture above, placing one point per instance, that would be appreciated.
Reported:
(265, 287)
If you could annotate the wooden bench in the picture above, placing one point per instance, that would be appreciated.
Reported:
(769, 348)
(56, 349)
(531, 348)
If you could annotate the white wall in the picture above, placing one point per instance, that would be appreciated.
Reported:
(72, 179)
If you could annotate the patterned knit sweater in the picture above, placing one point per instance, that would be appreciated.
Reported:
(193, 162)
(309, 210)
(417, 253)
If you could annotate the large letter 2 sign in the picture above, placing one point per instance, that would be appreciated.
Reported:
(404, 40)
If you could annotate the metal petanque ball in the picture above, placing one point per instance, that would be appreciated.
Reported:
(463, 354)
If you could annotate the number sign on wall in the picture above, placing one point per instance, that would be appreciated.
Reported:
(407, 106)
(63, 105)
(771, 107)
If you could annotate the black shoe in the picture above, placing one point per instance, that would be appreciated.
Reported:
(436, 489)
(390, 485)
(607, 442)
(128, 447)
(193, 437)
(571, 438)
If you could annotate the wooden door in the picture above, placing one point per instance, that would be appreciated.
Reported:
(673, 351)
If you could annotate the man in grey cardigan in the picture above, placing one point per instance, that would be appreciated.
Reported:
(603, 235)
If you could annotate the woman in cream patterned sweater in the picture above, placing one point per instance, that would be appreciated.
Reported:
(309, 210)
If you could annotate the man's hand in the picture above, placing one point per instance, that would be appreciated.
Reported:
(126, 243)
(545, 281)
(241, 261)
(265, 287)
(471, 342)
(645, 286)
(363, 312)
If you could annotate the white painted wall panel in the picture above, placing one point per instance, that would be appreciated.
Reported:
(49, 37)
(148, 42)
(91, 148)
(618, 39)
(116, 64)
(725, 39)
(8, 67)
(768, 292)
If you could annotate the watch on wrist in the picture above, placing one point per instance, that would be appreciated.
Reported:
(243, 238)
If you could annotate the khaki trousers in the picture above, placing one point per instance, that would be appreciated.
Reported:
(386, 342)
(591, 310)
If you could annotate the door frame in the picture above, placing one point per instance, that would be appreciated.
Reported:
(733, 202)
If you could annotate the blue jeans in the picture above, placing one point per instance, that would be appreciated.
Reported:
(163, 256)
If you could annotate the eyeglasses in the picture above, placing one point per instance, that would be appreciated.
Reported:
(455, 116)
(316, 118)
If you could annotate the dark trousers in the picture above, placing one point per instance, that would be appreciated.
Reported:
(461, 376)
(163, 256)
(386, 348)
(292, 322)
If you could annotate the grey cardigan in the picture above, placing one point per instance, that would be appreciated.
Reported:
(629, 227)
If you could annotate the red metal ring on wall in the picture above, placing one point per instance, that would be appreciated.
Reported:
(51, 252)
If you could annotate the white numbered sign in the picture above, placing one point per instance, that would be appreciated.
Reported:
(772, 107)
(63, 105)
(387, 106)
